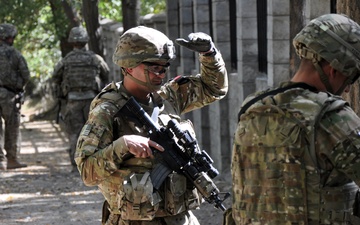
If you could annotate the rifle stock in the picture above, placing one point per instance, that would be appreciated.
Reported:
(182, 155)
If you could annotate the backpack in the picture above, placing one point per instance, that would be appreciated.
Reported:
(80, 72)
(276, 139)
(6, 70)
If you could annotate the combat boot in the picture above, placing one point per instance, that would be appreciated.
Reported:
(14, 164)
(3, 165)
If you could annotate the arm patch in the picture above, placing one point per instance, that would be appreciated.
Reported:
(87, 129)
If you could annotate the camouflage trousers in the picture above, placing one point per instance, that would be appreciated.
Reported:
(186, 218)
(76, 114)
(11, 116)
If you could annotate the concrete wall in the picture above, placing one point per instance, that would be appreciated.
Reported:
(215, 124)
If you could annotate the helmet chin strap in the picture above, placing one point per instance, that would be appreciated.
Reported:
(324, 79)
(348, 81)
(151, 87)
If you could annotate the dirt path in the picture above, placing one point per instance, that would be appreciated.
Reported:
(47, 192)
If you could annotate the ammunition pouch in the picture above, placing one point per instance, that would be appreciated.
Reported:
(340, 204)
(178, 198)
(81, 95)
(140, 202)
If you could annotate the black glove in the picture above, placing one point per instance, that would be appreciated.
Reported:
(198, 42)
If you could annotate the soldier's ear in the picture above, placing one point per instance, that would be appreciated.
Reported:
(329, 70)
(332, 72)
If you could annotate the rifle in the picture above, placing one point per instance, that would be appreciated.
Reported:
(182, 155)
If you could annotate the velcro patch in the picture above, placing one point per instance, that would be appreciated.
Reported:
(87, 129)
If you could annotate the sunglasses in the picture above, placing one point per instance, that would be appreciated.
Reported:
(155, 68)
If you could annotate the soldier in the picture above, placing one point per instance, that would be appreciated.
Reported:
(296, 151)
(14, 75)
(81, 74)
(108, 137)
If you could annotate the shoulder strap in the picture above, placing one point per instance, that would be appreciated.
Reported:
(273, 92)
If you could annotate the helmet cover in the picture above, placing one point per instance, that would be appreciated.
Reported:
(143, 44)
(78, 34)
(334, 38)
(7, 30)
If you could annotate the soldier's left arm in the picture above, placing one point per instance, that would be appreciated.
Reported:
(338, 141)
(193, 92)
(58, 73)
(104, 70)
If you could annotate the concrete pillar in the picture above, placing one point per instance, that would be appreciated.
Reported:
(247, 48)
(218, 111)
(172, 32)
(186, 27)
(316, 8)
(111, 31)
(278, 41)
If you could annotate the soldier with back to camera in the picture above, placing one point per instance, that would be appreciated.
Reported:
(296, 151)
(80, 76)
(109, 138)
(14, 75)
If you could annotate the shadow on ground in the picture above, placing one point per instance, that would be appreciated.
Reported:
(46, 192)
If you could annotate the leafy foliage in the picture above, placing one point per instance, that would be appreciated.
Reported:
(42, 23)
(112, 8)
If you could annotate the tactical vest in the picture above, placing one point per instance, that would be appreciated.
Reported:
(8, 77)
(80, 72)
(280, 180)
(129, 191)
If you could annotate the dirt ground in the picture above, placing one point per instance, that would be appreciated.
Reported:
(47, 192)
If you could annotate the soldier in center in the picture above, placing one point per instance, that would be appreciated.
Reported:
(81, 74)
(108, 137)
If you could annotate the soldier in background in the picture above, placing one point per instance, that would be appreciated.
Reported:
(14, 75)
(80, 76)
(296, 152)
(108, 139)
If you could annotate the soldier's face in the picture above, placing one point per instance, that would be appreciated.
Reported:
(155, 72)
(9, 40)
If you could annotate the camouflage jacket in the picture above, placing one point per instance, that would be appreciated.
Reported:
(79, 72)
(14, 72)
(95, 154)
(282, 178)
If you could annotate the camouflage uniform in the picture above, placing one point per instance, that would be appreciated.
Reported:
(101, 148)
(81, 74)
(296, 151)
(14, 74)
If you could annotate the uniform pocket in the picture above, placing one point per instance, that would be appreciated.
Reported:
(140, 202)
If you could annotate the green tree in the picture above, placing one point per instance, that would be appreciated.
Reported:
(44, 26)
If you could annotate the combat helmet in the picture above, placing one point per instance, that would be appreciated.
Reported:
(143, 44)
(78, 34)
(7, 30)
(334, 38)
